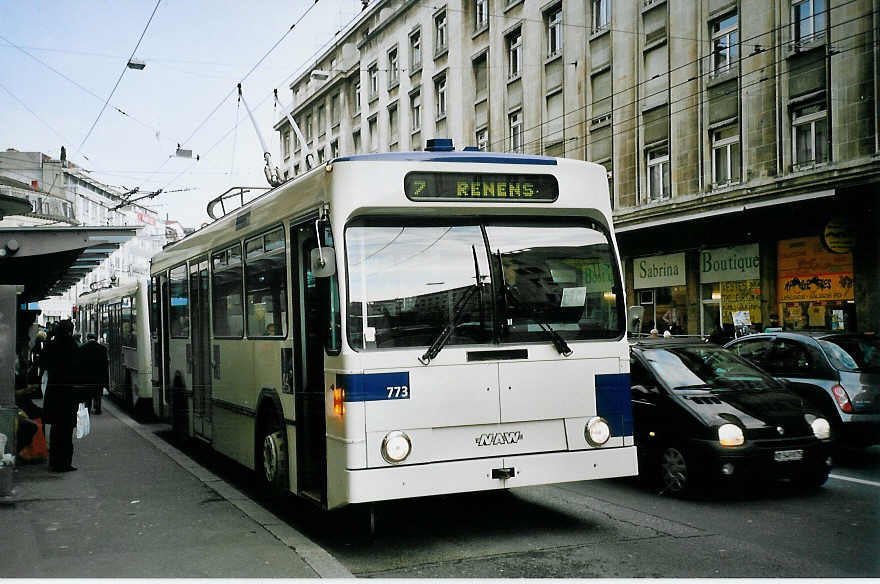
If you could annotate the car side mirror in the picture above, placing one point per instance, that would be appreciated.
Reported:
(323, 262)
(642, 390)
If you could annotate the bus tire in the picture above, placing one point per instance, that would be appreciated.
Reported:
(271, 456)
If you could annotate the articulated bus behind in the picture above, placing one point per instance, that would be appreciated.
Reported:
(405, 324)
(119, 316)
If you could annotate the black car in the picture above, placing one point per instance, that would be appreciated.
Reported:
(702, 415)
(839, 373)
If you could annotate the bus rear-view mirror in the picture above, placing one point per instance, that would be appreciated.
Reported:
(323, 262)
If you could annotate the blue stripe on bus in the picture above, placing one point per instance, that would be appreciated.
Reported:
(470, 157)
(613, 402)
(374, 386)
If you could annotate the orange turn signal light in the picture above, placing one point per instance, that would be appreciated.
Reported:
(339, 401)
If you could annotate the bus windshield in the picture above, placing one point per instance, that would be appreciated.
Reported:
(498, 281)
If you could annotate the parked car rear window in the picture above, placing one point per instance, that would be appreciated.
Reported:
(852, 354)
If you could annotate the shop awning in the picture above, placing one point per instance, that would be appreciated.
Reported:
(47, 261)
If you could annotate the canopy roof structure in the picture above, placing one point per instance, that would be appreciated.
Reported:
(47, 261)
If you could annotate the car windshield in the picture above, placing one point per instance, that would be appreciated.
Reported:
(700, 367)
(853, 353)
(499, 281)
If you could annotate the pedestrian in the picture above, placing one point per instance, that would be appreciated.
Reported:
(59, 402)
(93, 368)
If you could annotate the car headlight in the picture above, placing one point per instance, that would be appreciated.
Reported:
(597, 431)
(396, 447)
(730, 435)
(821, 428)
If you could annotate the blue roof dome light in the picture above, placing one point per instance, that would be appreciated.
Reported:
(439, 145)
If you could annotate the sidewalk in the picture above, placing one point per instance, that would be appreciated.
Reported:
(138, 508)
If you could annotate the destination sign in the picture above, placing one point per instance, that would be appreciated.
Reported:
(480, 187)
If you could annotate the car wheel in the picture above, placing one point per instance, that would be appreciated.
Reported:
(813, 478)
(272, 457)
(674, 473)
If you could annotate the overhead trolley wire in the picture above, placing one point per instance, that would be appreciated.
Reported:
(124, 67)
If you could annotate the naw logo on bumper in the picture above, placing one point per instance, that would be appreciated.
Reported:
(499, 438)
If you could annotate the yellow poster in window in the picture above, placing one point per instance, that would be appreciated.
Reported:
(808, 271)
(816, 313)
(744, 295)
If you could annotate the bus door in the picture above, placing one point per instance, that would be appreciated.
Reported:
(312, 299)
(114, 346)
(201, 346)
(160, 337)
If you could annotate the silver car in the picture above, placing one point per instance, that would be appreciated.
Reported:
(839, 373)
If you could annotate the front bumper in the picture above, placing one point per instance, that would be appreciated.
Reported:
(418, 480)
(755, 461)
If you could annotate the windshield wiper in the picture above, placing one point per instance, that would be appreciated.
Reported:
(561, 346)
(457, 311)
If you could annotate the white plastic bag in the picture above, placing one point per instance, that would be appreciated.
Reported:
(44, 382)
(83, 425)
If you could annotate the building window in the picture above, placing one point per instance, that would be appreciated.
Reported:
(415, 50)
(356, 141)
(393, 68)
(415, 111)
(481, 15)
(334, 109)
(309, 128)
(809, 129)
(295, 169)
(440, 33)
(356, 96)
(725, 155)
(373, 73)
(553, 21)
(601, 15)
(482, 139)
(440, 96)
(373, 127)
(393, 131)
(481, 75)
(515, 123)
(658, 174)
(334, 149)
(320, 153)
(725, 45)
(808, 18)
(322, 122)
(514, 54)
(285, 144)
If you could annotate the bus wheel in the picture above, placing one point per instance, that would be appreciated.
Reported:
(272, 456)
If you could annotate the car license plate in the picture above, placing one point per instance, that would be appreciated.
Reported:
(786, 455)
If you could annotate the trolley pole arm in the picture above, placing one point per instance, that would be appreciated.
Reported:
(273, 175)
(309, 155)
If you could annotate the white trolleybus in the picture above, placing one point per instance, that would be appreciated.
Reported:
(118, 316)
(405, 324)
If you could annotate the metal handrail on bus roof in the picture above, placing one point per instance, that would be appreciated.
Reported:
(233, 193)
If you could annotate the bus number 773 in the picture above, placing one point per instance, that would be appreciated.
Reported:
(397, 391)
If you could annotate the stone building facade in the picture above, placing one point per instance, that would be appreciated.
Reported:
(734, 132)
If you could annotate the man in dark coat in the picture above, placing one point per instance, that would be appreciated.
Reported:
(93, 365)
(59, 403)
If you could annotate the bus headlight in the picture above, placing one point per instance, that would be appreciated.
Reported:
(597, 431)
(821, 428)
(396, 447)
(730, 435)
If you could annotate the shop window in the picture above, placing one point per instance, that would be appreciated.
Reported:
(226, 284)
(665, 309)
(266, 285)
(178, 309)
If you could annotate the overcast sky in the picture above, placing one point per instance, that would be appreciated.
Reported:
(59, 61)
